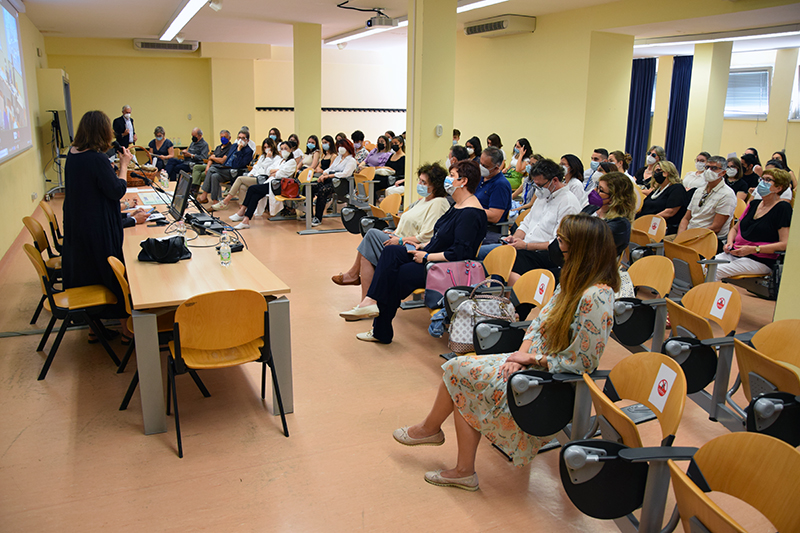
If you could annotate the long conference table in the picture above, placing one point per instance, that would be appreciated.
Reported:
(158, 288)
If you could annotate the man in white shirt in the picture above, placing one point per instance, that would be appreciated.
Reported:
(712, 206)
(553, 202)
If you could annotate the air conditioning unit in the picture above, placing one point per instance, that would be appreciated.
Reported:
(501, 26)
(148, 44)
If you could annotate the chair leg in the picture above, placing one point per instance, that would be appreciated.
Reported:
(280, 401)
(169, 389)
(46, 334)
(98, 331)
(127, 358)
(131, 389)
(38, 310)
(263, 380)
(54, 348)
(199, 383)
(171, 371)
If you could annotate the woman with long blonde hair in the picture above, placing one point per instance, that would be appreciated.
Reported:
(569, 335)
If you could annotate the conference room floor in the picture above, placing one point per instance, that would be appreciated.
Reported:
(69, 460)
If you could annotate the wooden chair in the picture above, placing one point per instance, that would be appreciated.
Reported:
(757, 469)
(55, 229)
(72, 307)
(303, 178)
(395, 219)
(164, 324)
(640, 196)
(533, 289)
(199, 342)
(780, 340)
(703, 241)
(689, 264)
(655, 272)
(500, 261)
(521, 217)
(653, 226)
(388, 206)
(369, 146)
(738, 212)
(52, 263)
(363, 180)
(657, 382)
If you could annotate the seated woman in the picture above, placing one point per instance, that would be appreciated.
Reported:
(379, 155)
(762, 230)
(474, 149)
(668, 198)
(358, 144)
(618, 206)
(573, 177)
(515, 171)
(344, 166)
(569, 336)
(776, 164)
(695, 179)
(312, 156)
(781, 156)
(286, 168)
(260, 169)
(275, 135)
(456, 237)
(415, 227)
(622, 161)
(654, 155)
(733, 178)
(494, 140)
(328, 154)
(397, 162)
(525, 192)
(297, 153)
(161, 148)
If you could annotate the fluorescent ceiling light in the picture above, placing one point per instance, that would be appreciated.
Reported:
(718, 37)
(188, 11)
(402, 22)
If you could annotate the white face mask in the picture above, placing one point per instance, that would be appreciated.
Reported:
(284, 154)
(651, 160)
(342, 151)
(543, 193)
(709, 175)
(470, 151)
(242, 142)
(127, 115)
(731, 172)
(566, 170)
(484, 171)
(700, 165)
(447, 163)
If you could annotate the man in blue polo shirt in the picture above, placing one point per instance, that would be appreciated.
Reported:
(239, 156)
(493, 192)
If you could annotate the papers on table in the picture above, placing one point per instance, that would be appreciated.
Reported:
(153, 198)
(155, 216)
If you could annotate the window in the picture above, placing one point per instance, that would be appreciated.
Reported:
(748, 93)
(794, 110)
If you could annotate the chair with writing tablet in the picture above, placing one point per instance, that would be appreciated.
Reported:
(55, 228)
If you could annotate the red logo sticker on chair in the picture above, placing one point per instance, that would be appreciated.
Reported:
(541, 289)
(720, 303)
(662, 387)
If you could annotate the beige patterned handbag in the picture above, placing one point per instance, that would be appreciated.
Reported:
(474, 310)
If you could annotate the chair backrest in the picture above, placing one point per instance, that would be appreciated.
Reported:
(689, 256)
(702, 240)
(395, 219)
(780, 340)
(119, 272)
(41, 271)
(201, 329)
(535, 287)
(784, 376)
(717, 302)
(499, 261)
(653, 225)
(654, 271)
(369, 145)
(652, 379)
(365, 174)
(739, 211)
(757, 469)
(522, 216)
(39, 236)
(55, 229)
(640, 196)
(639, 237)
(391, 204)
(305, 175)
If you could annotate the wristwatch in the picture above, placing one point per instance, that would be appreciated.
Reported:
(425, 257)
(758, 249)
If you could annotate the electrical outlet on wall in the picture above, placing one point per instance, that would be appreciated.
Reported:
(34, 196)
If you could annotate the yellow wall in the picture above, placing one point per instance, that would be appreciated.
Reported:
(22, 176)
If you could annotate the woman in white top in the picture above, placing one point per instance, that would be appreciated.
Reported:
(573, 177)
(415, 227)
(261, 168)
(695, 179)
(285, 167)
(312, 155)
(297, 153)
(622, 161)
(344, 166)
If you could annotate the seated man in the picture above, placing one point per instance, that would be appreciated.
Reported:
(219, 156)
(195, 154)
(537, 233)
(711, 206)
(592, 174)
(236, 163)
(494, 192)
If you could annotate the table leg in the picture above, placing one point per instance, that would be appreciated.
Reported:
(281, 340)
(148, 362)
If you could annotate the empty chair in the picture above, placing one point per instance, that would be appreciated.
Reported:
(499, 262)
(199, 343)
(703, 241)
(689, 267)
(647, 233)
(72, 307)
(757, 469)
(52, 263)
(55, 228)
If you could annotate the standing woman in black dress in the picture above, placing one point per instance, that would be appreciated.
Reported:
(92, 222)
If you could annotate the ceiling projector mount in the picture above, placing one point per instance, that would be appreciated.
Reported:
(381, 20)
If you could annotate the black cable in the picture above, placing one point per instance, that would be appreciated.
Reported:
(362, 9)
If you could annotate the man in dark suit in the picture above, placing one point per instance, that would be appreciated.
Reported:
(123, 128)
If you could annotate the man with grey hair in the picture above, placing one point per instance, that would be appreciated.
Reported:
(123, 127)
(219, 156)
(239, 156)
(193, 155)
(493, 192)
(712, 206)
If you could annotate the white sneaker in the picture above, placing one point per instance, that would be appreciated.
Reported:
(366, 336)
(219, 206)
(241, 225)
(235, 217)
(360, 313)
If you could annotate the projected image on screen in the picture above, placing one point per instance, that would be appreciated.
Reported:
(15, 132)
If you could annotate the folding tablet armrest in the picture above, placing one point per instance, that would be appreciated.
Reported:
(655, 302)
(504, 227)
(655, 245)
(657, 453)
(712, 262)
(718, 342)
(569, 378)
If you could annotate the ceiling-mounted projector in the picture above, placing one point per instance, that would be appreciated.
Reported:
(381, 21)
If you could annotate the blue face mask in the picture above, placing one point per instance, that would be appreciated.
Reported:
(159, 138)
(273, 137)
(224, 140)
(516, 150)
(595, 165)
(528, 169)
(763, 188)
(326, 146)
(455, 142)
(422, 190)
(311, 146)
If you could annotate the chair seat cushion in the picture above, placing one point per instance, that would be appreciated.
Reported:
(748, 276)
(199, 359)
(54, 263)
(83, 297)
(287, 199)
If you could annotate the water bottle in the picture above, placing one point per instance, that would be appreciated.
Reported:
(224, 250)
(164, 179)
(181, 231)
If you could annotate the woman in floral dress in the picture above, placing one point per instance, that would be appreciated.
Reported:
(569, 335)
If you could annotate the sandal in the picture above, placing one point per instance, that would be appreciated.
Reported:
(93, 339)
(125, 340)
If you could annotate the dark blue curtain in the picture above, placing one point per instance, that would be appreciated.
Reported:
(643, 77)
(678, 109)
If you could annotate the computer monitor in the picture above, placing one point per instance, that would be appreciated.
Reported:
(181, 196)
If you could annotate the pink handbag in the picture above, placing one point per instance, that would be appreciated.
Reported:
(442, 276)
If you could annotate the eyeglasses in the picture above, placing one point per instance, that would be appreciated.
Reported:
(713, 168)
(767, 180)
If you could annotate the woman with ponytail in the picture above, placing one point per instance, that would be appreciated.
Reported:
(569, 335)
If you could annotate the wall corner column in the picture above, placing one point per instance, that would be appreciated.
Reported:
(307, 62)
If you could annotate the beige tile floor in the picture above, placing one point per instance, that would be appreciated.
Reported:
(70, 461)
